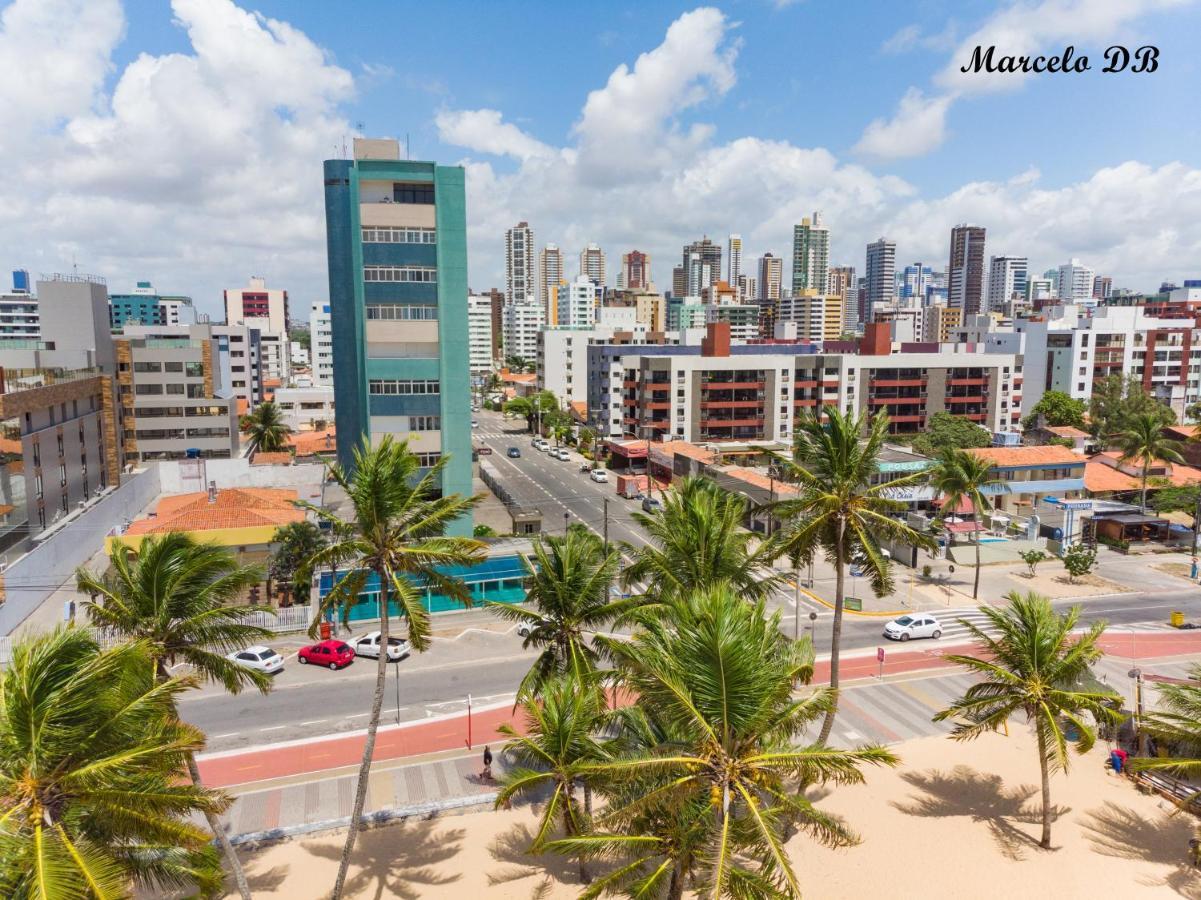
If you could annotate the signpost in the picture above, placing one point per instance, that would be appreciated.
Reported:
(880, 660)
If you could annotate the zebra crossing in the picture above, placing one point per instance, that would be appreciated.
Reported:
(953, 628)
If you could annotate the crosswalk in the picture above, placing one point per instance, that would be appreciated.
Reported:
(954, 629)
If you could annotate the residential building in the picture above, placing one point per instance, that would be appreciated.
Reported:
(880, 273)
(1102, 287)
(306, 408)
(563, 354)
(479, 333)
(818, 316)
(965, 269)
(733, 259)
(938, 323)
(679, 281)
(552, 275)
(810, 255)
(649, 308)
(1024, 477)
(702, 265)
(1075, 283)
(635, 274)
(257, 305)
(521, 324)
(1007, 276)
(1041, 290)
(145, 306)
(521, 276)
(771, 277)
(840, 282)
(19, 310)
(747, 289)
(592, 264)
(401, 360)
(578, 302)
(321, 344)
(173, 400)
(915, 280)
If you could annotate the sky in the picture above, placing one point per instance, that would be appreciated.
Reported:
(180, 141)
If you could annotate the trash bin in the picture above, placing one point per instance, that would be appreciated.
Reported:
(325, 631)
(1177, 618)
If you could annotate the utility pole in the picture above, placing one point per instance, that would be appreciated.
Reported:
(606, 526)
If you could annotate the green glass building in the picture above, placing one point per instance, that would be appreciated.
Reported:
(396, 234)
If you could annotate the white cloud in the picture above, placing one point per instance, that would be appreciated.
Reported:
(482, 130)
(919, 125)
(911, 37)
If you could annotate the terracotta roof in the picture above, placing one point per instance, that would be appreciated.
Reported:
(962, 507)
(759, 480)
(1100, 479)
(1004, 457)
(579, 409)
(232, 508)
(1182, 432)
(309, 443)
(263, 458)
(1067, 431)
(10, 445)
(684, 448)
(1177, 473)
(518, 377)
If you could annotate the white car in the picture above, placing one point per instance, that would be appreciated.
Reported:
(917, 625)
(525, 629)
(259, 658)
(547, 448)
(562, 454)
(368, 645)
(599, 475)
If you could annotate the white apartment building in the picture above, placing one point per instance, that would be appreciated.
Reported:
(1007, 276)
(300, 356)
(306, 408)
(817, 316)
(552, 277)
(1075, 283)
(264, 308)
(592, 264)
(880, 272)
(321, 344)
(771, 277)
(479, 333)
(521, 324)
(521, 276)
(19, 313)
(1040, 289)
(577, 302)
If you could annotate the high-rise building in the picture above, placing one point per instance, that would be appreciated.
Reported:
(733, 259)
(635, 274)
(702, 265)
(479, 333)
(592, 264)
(1102, 287)
(521, 324)
(19, 310)
(521, 276)
(400, 308)
(1075, 282)
(497, 299)
(914, 281)
(679, 281)
(321, 344)
(810, 255)
(965, 269)
(256, 305)
(880, 274)
(1040, 289)
(840, 282)
(1007, 276)
(552, 277)
(747, 289)
(578, 302)
(146, 306)
(771, 277)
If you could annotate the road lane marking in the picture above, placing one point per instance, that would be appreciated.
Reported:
(314, 722)
(274, 728)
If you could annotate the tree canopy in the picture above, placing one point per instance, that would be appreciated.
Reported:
(1116, 402)
(945, 430)
(1057, 410)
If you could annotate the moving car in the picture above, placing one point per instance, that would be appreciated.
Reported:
(475, 423)
(259, 658)
(651, 504)
(514, 453)
(915, 625)
(484, 451)
(599, 475)
(368, 645)
(561, 454)
(334, 654)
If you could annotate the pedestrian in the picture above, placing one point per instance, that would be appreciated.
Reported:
(487, 763)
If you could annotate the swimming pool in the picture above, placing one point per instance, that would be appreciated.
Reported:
(992, 540)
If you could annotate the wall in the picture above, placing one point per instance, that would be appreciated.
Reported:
(184, 476)
(30, 580)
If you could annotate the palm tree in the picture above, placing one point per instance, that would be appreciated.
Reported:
(839, 512)
(295, 544)
(1143, 441)
(1176, 721)
(1035, 666)
(559, 735)
(175, 597)
(568, 586)
(958, 476)
(398, 535)
(718, 675)
(267, 429)
(91, 753)
(697, 541)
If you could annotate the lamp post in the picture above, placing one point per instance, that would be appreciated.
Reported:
(1136, 675)
(566, 519)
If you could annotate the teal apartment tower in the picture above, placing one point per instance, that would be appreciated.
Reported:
(396, 234)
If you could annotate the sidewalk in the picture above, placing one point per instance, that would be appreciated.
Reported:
(425, 766)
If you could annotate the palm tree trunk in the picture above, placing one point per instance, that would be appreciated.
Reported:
(836, 637)
(377, 704)
(675, 888)
(1045, 843)
(976, 586)
(1142, 506)
(227, 849)
(570, 832)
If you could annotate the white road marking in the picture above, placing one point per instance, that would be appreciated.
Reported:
(313, 722)
(274, 728)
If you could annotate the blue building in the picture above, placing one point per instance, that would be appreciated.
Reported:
(145, 306)
(396, 233)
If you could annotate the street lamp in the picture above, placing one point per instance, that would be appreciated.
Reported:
(1136, 675)
(566, 518)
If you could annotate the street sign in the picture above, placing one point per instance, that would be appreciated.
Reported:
(880, 654)
(854, 604)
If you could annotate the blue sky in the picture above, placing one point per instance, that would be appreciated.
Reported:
(785, 89)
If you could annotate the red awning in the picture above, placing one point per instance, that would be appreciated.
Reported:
(964, 506)
(966, 527)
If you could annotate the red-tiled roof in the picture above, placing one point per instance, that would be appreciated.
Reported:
(759, 480)
(309, 443)
(263, 458)
(1051, 455)
(231, 508)
(1100, 479)
(1067, 431)
(1177, 473)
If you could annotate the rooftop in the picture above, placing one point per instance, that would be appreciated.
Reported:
(1003, 457)
(310, 443)
(230, 508)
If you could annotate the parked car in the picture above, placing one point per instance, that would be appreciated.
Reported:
(368, 645)
(475, 423)
(484, 451)
(561, 454)
(525, 629)
(651, 504)
(547, 448)
(514, 453)
(259, 658)
(334, 654)
(600, 476)
(917, 625)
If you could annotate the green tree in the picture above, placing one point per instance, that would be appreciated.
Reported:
(558, 737)
(1079, 560)
(1193, 413)
(398, 535)
(92, 798)
(1178, 499)
(1176, 721)
(1057, 409)
(1035, 666)
(958, 476)
(718, 674)
(483, 531)
(1142, 441)
(301, 336)
(587, 438)
(1116, 402)
(946, 430)
(1032, 558)
(568, 582)
(175, 596)
(295, 544)
(841, 513)
(267, 429)
(696, 541)
(533, 409)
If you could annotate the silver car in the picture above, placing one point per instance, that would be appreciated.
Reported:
(259, 658)
(368, 645)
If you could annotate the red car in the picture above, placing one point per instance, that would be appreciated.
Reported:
(334, 654)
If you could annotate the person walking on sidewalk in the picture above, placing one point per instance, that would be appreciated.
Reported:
(487, 774)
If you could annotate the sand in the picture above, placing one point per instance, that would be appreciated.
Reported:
(955, 820)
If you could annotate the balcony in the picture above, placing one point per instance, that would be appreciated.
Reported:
(898, 382)
(805, 384)
(970, 398)
(733, 385)
(656, 387)
(731, 404)
(629, 384)
(898, 419)
(731, 423)
(967, 382)
(657, 404)
(657, 424)
(900, 401)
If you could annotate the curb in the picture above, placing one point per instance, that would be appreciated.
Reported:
(380, 817)
(849, 612)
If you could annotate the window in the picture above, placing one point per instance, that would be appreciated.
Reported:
(62, 474)
(148, 389)
(423, 274)
(412, 193)
(37, 486)
(147, 367)
(426, 460)
(380, 386)
(63, 500)
(194, 370)
(175, 388)
(394, 311)
(172, 367)
(196, 390)
(425, 423)
(393, 235)
(60, 444)
(37, 453)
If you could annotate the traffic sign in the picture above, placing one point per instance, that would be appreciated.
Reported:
(880, 654)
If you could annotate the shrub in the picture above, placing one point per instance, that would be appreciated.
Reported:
(1032, 558)
(1079, 560)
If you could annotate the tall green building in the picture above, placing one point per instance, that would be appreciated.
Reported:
(396, 233)
(810, 255)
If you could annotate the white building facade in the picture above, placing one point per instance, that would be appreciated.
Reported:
(479, 333)
(321, 344)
